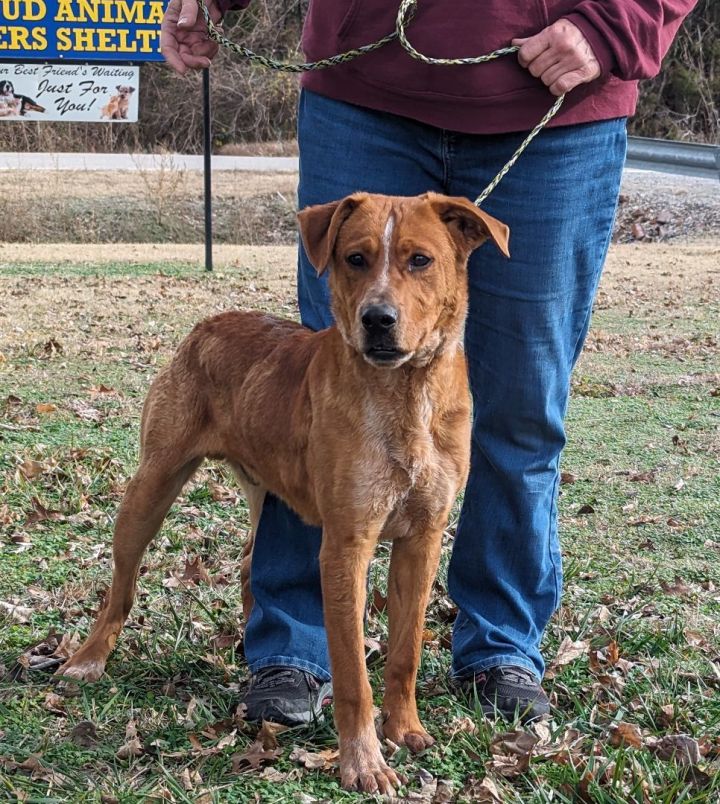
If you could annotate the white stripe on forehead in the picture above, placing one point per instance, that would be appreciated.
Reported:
(386, 241)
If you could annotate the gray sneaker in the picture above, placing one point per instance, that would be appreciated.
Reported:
(508, 690)
(286, 695)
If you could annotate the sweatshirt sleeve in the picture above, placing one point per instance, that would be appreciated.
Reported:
(232, 5)
(630, 37)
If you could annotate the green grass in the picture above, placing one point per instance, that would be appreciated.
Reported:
(640, 523)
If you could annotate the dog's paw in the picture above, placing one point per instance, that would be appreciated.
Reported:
(409, 733)
(363, 768)
(80, 669)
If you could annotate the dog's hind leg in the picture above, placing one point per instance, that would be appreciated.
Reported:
(255, 495)
(147, 500)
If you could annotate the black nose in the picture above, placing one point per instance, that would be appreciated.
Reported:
(379, 318)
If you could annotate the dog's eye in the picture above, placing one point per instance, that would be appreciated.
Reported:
(356, 260)
(419, 261)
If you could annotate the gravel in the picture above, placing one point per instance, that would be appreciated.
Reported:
(661, 206)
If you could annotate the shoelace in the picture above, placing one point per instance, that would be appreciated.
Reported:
(273, 677)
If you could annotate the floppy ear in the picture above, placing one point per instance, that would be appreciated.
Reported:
(319, 227)
(469, 225)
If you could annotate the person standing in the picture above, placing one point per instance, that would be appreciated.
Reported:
(385, 123)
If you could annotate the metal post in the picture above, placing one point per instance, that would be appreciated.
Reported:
(207, 167)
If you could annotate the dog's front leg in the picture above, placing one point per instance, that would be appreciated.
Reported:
(344, 560)
(413, 566)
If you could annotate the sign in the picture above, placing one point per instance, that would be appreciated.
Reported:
(77, 92)
(81, 30)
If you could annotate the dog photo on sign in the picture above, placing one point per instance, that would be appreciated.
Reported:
(118, 105)
(13, 104)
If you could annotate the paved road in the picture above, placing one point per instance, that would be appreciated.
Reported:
(48, 161)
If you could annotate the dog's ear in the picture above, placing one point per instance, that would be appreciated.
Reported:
(119, 88)
(469, 226)
(131, 89)
(319, 227)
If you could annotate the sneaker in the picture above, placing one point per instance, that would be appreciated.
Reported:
(286, 695)
(509, 691)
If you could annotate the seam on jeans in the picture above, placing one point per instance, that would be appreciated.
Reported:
(289, 661)
(446, 149)
(505, 660)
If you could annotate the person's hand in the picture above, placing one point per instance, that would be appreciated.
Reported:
(560, 56)
(184, 40)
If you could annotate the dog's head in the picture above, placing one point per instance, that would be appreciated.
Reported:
(398, 273)
(7, 90)
(125, 92)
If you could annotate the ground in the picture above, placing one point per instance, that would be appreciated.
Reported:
(633, 654)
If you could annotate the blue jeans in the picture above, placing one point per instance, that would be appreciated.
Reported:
(527, 321)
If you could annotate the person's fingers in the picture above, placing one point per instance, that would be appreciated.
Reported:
(543, 62)
(568, 81)
(533, 47)
(188, 14)
(555, 71)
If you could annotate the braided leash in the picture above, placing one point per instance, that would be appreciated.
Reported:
(404, 16)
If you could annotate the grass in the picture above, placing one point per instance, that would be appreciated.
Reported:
(639, 517)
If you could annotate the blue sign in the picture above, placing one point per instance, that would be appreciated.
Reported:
(81, 30)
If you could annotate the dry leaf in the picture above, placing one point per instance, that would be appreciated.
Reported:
(484, 792)
(626, 734)
(30, 469)
(323, 760)
(55, 703)
(569, 651)
(132, 746)
(45, 407)
(511, 752)
(196, 572)
(680, 747)
(84, 734)
(19, 614)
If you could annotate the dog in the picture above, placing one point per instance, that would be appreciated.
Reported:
(12, 104)
(117, 107)
(362, 428)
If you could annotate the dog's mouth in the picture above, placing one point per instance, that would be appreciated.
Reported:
(385, 356)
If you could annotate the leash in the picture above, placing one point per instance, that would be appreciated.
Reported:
(405, 14)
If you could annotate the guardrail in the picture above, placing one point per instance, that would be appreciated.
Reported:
(671, 156)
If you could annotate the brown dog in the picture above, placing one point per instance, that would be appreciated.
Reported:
(117, 107)
(362, 428)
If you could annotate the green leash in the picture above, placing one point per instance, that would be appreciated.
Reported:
(404, 16)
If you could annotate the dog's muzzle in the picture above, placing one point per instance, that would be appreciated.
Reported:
(379, 323)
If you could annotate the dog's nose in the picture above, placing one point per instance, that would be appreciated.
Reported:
(379, 318)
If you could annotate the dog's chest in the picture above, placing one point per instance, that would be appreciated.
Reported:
(408, 470)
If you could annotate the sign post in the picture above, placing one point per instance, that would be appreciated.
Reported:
(207, 168)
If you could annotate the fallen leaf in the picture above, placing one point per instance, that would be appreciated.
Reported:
(511, 753)
(44, 408)
(680, 747)
(84, 411)
(31, 469)
(19, 614)
(626, 734)
(677, 587)
(323, 760)
(569, 651)
(55, 703)
(84, 734)
(195, 572)
(41, 514)
(132, 747)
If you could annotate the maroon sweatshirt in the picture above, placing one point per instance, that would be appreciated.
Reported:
(629, 38)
